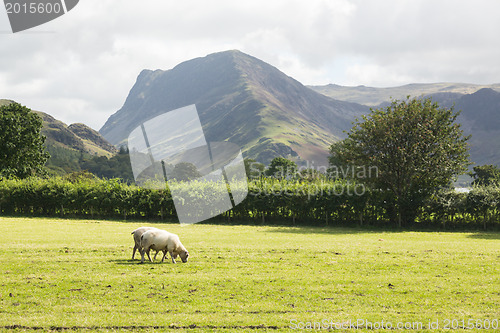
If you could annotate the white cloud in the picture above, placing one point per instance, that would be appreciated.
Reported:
(80, 67)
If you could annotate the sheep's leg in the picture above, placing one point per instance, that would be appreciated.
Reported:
(172, 255)
(147, 252)
(142, 256)
(164, 255)
(133, 251)
(155, 255)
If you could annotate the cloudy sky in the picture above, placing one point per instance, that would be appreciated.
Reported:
(81, 66)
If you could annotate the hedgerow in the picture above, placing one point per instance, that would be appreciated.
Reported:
(269, 201)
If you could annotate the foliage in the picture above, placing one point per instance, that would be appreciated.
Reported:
(269, 201)
(281, 168)
(117, 166)
(184, 171)
(64, 161)
(253, 168)
(485, 175)
(22, 153)
(416, 147)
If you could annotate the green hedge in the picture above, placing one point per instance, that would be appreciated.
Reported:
(269, 201)
(86, 197)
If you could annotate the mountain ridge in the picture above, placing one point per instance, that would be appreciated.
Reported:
(78, 137)
(243, 100)
(480, 118)
(372, 96)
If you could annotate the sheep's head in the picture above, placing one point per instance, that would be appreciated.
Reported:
(184, 256)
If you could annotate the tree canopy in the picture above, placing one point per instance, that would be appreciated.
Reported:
(185, 171)
(22, 152)
(485, 175)
(281, 168)
(416, 147)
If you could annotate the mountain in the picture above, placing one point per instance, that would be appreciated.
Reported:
(76, 137)
(243, 100)
(371, 96)
(479, 106)
(5, 102)
(480, 117)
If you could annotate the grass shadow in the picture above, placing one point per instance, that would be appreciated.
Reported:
(126, 261)
(485, 235)
(328, 230)
(130, 262)
(374, 229)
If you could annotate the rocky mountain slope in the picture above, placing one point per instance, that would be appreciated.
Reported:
(77, 137)
(243, 100)
(480, 117)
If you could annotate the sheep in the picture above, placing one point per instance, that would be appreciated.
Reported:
(137, 239)
(161, 240)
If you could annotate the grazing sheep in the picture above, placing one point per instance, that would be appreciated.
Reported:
(161, 240)
(137, 239)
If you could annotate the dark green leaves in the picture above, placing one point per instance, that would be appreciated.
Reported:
(416, 146)
(22, 153)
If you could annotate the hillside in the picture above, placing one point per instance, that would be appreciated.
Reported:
(243, 100)
(480, 117)
(371, 96)
(78, 137)
(479, 105)
(67, 144)
(5, 102)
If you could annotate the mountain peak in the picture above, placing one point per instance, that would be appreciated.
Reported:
(239, 99)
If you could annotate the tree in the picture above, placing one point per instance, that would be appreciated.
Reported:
(416, 147)
(253, 168)
(485, 175)
(22, 153)
(281, 168)
(185, 171)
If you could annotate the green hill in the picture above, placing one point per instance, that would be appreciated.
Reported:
(69, 145)
(77, 137)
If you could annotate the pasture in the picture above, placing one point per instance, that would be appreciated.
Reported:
(77, 275)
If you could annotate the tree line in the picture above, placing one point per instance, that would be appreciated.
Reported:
(414, 147)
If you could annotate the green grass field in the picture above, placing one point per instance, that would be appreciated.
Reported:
(77, 275)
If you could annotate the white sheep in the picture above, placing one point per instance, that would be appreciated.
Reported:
(137, 239)
(161, 240)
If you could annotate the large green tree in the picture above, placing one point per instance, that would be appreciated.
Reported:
(416, 147)
(22, 153)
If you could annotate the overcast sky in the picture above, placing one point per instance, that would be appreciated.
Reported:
(81, 66)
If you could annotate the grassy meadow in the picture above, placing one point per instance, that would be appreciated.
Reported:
(77, 275)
